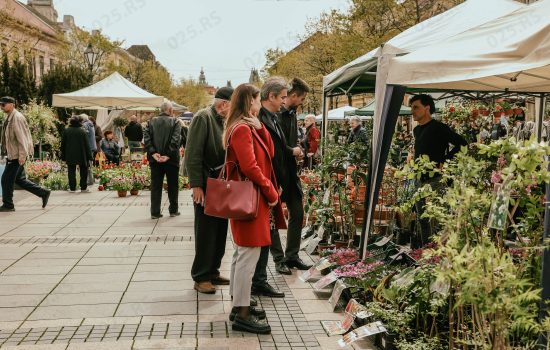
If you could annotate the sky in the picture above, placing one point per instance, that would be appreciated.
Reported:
(226, 37)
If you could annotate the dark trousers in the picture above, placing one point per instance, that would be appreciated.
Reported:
(260, 274)
(157, 178)
(294, 233)
(72, 176)
(210, 238)
(15, 174)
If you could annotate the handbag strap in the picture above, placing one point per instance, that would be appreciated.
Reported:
(225, 162)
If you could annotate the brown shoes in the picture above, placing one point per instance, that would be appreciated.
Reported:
(205, 287)
(220, 281)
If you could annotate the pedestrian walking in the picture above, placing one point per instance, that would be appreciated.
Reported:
(134, 133)
(110, 148)
(250, 148)
(75, 151)
(16, 146)
(204, 157)
(162, 138)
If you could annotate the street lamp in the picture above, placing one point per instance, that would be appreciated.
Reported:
(91, 56)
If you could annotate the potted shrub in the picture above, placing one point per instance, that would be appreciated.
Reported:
(122, 185)
(139, 183)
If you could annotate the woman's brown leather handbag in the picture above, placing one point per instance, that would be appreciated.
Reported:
(230, 199)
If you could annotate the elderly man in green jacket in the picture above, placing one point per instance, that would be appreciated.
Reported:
(16, 147)
(204, 157)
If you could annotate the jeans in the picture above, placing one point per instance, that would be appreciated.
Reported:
(157, 178)
(72, 176)
(15, 174)
(210, 238)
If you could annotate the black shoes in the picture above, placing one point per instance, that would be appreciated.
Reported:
(173, 215)
(3, 209)
(259, 313)
(267, 290)
(298, 264)
(282, 268)
(251, 325)
(45, 199)
(157, 216)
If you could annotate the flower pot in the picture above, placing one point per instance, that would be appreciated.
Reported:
(360, 192)
(134, 192)
(340, 244)
(484, 112)
(122, 193)
(518, 111)
(497, 114)
(475, 112)
(509, 112)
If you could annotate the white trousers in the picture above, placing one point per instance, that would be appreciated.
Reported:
(242, 270)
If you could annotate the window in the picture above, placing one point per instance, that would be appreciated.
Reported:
(41, 65)
(52, 63)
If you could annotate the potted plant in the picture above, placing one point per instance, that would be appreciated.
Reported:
(122, 185)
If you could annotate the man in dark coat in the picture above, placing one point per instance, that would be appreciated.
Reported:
(162, 139)
(75, 150)
(134, 133)
(292, 195)
(204, 157)
(273, 95)
(357, 132)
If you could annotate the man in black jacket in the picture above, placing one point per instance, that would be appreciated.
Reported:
(134, 133)
(292, 195)
(162, 140)
(273, 96)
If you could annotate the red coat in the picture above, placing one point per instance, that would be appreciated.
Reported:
(313, 139)
(253, 150)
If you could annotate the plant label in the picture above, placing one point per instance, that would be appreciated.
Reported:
(306, 276)
(305, 230)
(307, 242)
(318, 266)
(338, 327)
(312, 245)
(362, 332)
(325, 281)
(326, 196)
(383, 241)
(498, 216)
(322, 264)
(337, 293)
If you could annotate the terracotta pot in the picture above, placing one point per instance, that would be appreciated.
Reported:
(518, 111)
(509, 112)
(340, 244)
(122, 193)
(134, 192)
(475, 112)
(360, 192)
(497, 114)
(484, 112)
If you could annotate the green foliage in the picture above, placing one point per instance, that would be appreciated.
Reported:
(120, 122)
(16, 80)
(62, 79)
(57, 182)
(42, 123)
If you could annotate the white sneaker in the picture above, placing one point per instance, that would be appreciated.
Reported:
(86, 191)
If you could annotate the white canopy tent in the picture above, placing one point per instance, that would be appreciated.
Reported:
(113, 92)
(337, 114)
(508, 54)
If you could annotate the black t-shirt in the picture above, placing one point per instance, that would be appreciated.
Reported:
(433, 139)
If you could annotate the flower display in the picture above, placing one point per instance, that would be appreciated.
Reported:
(358, 270)
(121, 183)
(343, 257)
(38, 169)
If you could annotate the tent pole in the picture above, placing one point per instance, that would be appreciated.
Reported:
(540, 116)
(324, 126)
(545, 280)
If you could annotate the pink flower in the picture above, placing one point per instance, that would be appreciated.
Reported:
(496, 177)
(501, 162)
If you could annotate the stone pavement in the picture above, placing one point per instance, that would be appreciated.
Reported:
(93, 271)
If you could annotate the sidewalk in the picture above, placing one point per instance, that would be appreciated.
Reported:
(93, 271)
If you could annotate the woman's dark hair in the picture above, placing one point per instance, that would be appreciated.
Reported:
(106, 133)
(241, 102)
(425, 100)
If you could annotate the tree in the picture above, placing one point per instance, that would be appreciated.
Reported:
(16, 80)
(190, 94)
(62, 79)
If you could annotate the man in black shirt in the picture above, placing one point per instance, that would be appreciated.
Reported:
(431, 138)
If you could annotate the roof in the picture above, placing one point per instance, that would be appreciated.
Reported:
(142, 51)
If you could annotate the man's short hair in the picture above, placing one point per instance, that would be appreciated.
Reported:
(107, 133)
(165, 107)
(299, 87)
(273, 85)
(425, 100)
(356, 118)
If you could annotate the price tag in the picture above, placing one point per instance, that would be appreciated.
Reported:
(325, 281)
(321, 231)
(307, 242)
(498, 216)
(337, 293)
(305, 231)
(318, 266)
(362, 332)
(322, 264)
(383, 241)
(310, 248)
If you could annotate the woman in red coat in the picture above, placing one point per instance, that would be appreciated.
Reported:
(311, 141)
(250, 146)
